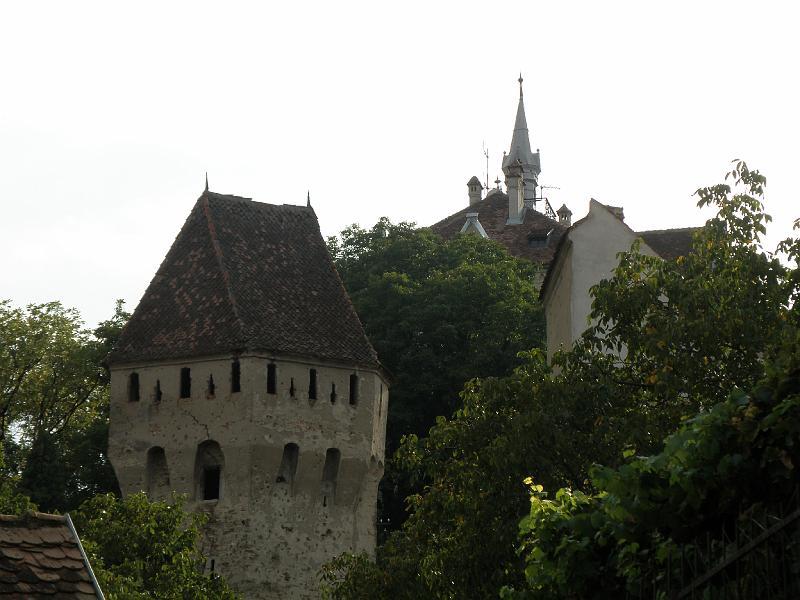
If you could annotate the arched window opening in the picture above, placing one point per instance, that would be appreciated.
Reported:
(211, 387)
(133, 387)
(333, 393)
(186, 382)
(312, 384)
(272, 378)
(291, 454)
(158, 486)
(236, 376)
(353, 389)
(330, 472)
(209, 464)
(158, 390)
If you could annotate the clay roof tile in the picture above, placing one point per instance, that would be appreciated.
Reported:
(244, 275)
(40, 556)
(523, 240)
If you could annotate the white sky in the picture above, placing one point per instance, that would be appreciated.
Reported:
(110, 114)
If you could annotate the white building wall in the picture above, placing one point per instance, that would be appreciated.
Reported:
(595, 243)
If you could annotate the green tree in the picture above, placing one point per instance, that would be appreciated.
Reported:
(140, 549)
(54, 401)
(671, 338)
(438, 312)
(742, 452)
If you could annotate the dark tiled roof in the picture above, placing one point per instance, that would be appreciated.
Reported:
(493, 213)
(246, 276)
(670, 243)
(41, 558)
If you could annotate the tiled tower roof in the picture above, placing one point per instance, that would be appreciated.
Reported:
(246, 276)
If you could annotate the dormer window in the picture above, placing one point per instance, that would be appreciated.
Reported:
(539, 239)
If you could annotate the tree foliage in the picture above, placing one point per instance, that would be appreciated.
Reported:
(54, 403)
(141, 550)
(670, 338)
(438, 312)
(742, 452)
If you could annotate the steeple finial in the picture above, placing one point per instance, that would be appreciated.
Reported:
(206, 180)
(308, 198)
(520, 84)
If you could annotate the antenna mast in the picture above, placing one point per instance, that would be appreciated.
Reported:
(486, 154)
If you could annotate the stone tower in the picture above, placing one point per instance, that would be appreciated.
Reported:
(521, 167)
(245, 380)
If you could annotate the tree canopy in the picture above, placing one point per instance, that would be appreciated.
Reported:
(54, 402)
(141, 550)
(438, 312)
(670, 338)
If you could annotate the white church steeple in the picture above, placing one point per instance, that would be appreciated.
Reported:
(521, 166)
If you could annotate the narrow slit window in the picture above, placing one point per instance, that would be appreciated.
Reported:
(330, 473)
(312, 384)
(291, 453)
(133, 387)
(236, 377)
(158, 390)
(211, 387)
(333, 393)
(186, 382)
(353, 389)
(291, 387)
(272, 377)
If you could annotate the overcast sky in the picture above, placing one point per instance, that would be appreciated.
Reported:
(111, 113)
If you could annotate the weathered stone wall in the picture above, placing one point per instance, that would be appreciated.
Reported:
(267, 537)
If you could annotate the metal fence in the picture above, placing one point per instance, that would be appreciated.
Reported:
(757, 556)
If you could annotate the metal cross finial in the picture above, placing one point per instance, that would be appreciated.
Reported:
(308, 198)
(206, 180)
(520, 84)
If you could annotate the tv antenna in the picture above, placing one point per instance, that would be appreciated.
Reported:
(486, 154)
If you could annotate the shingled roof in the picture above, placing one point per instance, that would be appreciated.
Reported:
(520, 240)
(246, 276)
(41, 557)
(670, 243)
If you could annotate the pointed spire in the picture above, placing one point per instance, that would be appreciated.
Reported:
(520, 143)
(206, 180)
(308, 198)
